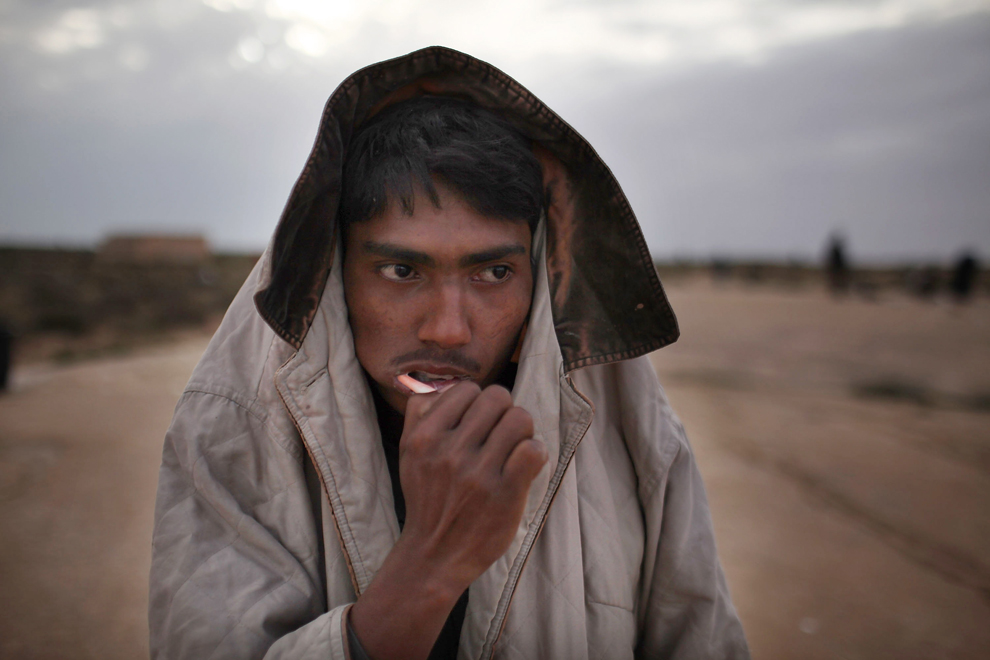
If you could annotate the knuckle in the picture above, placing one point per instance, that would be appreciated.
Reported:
(447, 465)
(498, 395)
(414, 444)
(469, 386)
(520, 420)
(415, 404)
(516, 424)
(473, 482)
(540, 449)
(533, 451)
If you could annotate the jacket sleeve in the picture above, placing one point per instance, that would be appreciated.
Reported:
(687, 612)
(235, 553)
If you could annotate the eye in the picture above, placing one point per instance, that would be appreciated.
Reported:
(397, 272)
(495, 274)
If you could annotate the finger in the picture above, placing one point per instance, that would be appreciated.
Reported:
(483, 415)
(445, 410)
(526, 460)
(417, 405)
(514, 426)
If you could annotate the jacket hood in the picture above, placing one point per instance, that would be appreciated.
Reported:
(606, 299)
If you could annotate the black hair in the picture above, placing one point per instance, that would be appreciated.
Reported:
(477, 154)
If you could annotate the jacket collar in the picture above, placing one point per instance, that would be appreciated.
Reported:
(607, 303)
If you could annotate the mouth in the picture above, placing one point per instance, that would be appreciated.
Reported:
(425, 382)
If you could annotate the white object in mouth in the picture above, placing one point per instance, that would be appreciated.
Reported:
(424, 382)
(416, 386)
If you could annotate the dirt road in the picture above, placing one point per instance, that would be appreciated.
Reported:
(79, 453)
(845, 446)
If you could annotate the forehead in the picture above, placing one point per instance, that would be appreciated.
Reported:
(453, 229)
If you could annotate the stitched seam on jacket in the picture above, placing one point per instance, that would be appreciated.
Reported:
(192, 485)
(245, 407)
(658, 482)
(175, 592)
(570, 445)
(276, 435)
(628, 354)
(669, 452)
(239, 622)
(592, 601)
(232, 524)
(336, 505)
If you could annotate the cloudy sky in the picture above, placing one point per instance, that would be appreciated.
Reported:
(747, 128)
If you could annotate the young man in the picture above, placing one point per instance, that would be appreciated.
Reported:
(450, 235)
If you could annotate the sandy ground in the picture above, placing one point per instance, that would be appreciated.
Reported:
(850, 526)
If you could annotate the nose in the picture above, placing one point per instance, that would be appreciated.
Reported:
(446, 324)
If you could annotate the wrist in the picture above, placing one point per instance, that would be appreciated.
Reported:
(404, 608)
(428, 579)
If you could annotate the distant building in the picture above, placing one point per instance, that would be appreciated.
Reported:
(151, 248)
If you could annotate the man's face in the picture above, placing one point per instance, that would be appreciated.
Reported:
(444, 292)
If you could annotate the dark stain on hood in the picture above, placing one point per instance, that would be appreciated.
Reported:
(607, 301)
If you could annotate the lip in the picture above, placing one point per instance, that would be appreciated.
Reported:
(439, 369)
(445, 370)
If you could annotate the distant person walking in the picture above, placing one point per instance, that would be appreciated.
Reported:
(837, 265)
(6, 344)
(964, 277)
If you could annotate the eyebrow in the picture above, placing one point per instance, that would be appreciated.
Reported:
(392, 251)
(494, 254)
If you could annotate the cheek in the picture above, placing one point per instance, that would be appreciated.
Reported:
(372, 324)
(504, 320)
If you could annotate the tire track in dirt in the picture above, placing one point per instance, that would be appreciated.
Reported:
(948, 562)
(972, 455)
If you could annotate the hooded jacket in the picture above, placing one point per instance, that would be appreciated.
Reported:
(274, 507)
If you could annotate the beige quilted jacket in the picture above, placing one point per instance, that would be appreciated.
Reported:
(274, 502)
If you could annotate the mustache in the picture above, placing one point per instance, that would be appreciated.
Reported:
(439, 357)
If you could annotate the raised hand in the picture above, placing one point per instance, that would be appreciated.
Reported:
(467, 460)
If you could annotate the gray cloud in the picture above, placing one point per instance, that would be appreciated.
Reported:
(883, 135)
(165, 125)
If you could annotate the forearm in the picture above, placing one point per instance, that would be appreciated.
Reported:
(467, 459)
(403, 610)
